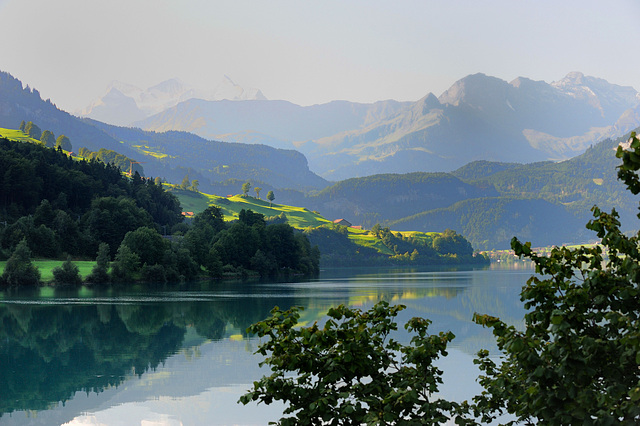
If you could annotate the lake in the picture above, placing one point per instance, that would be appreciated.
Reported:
(167, 357)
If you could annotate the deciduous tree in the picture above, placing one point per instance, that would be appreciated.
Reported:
(185, 182)
(32, 130)
(48, 139)
(577, 361)
(351, 371)
(64, 143)
(245, 188)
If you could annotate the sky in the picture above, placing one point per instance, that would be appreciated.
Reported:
(311, 52)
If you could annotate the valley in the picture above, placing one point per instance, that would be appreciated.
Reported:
(487, 191)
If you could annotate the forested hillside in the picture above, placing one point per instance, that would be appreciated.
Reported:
(25, 104)
(380, 198)
(489, 202)
(169, 155)
(176, 154)
(60, 205)
(55, 206)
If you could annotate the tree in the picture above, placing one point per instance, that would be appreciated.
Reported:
(158, 181)
(194, 185)
(109, 219)
(22, 126)
(32, 130)
(245, 188)
(19, 270)
(185, 182)
(125, 265)
(251, 218)
(270, 197)
(147, 243)
(99, 274)
(578, 359)
(64, 143)
(48, 139)
(67, 274)
(450, 242)
(350, 371)
(257, 189)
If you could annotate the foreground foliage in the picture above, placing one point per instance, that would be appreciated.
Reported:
(350, 371)
(578, 359)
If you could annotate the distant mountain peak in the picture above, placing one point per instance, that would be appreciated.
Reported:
(173, 85)
(472, 89)
(166, 94)
(598, 92)
(230, 90)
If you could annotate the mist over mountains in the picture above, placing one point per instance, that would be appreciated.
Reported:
(488, 201)
(477, 118)
(171, 155)
(124, 104)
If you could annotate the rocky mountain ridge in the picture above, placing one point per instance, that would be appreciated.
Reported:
(478, 118)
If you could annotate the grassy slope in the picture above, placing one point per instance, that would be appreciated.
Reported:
(364, 238)
(298, 217)
(16, 135)
(197, 202)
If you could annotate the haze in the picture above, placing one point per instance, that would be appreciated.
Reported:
(312, 52)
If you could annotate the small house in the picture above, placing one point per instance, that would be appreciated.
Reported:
(342, 222)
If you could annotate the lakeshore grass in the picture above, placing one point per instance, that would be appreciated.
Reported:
(46, 267)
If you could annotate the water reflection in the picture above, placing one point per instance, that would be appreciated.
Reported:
(68, 355)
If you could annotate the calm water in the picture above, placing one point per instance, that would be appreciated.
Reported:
(166, 357)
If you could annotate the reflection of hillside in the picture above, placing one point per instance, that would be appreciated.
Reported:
(48, 353)
(52, 347)
(448, 298)
(122, 348)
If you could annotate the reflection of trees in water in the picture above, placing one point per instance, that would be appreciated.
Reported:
(48, 353)
(60, 350)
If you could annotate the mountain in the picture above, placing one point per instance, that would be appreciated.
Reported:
(18, 103)
(482, 118)
(174, 155)
(478, 118)
(275, 123)
(124, 104)
(382, 198)
(490, 202)
(169, 155)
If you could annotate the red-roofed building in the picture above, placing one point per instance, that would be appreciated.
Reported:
(342, 222)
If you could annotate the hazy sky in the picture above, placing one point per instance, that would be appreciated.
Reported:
(312, 51)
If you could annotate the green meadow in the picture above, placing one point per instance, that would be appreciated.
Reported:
(16, 135)
(46, 267)
(197, 202)
(366, 239)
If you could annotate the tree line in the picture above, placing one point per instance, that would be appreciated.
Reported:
(53, 207)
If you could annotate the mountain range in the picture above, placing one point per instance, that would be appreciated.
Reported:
(489, 202)
(123, 103)
(171, 155)
(477, 118)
